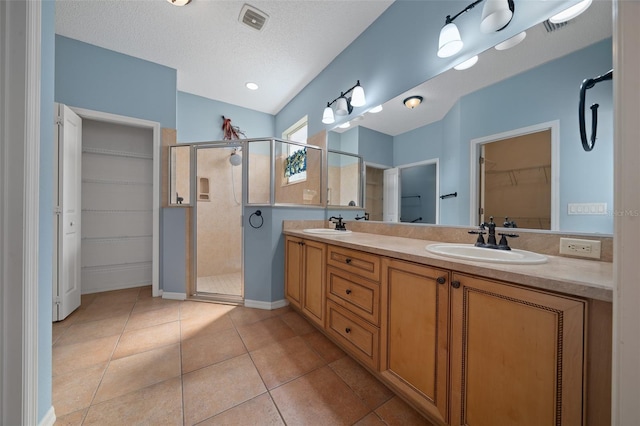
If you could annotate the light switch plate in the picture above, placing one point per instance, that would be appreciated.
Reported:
(587, 208)
(579, 247)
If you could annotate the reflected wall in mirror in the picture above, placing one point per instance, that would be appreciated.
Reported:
(344, 187)
(259, 172)
(535, 82)
(419, 192)
(179, 172)
(297, 173)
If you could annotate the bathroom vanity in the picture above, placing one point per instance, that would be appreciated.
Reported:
(463, 342)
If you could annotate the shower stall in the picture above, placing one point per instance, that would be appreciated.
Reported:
(218, 222)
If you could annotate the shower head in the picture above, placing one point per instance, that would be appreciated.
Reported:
(235, 159)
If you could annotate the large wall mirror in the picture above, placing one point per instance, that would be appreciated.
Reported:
(344, 186)
(527, 86)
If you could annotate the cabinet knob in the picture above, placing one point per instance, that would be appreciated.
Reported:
(347, 260)
(347, 330)
(455, 284)
(441, 280)
(348, 291)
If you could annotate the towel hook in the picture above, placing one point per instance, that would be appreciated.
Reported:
(588, 84)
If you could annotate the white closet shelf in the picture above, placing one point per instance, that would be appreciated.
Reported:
(116, 153)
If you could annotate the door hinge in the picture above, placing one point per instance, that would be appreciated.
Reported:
(57, 210)
(59, 121)
(57, 301)
(481, 160)
(480, 210)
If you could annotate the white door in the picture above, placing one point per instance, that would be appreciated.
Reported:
(66, 291)
(391, 198)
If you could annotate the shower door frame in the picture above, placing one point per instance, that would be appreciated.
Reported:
(193, 285)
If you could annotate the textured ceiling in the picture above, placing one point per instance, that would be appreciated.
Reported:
(442, 92)
(214, 53)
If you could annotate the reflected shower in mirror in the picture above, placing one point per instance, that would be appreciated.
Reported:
(179, 172)
(344, 187)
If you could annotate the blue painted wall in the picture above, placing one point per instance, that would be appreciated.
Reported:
(45, 250)
(375, 147)
(200, 119)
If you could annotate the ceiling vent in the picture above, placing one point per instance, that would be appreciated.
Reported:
(252, 17)
(551, 27)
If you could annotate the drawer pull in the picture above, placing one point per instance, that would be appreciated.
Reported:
(348, 291)
(348, 260)
(455, 284)
(347, 330)
(441, 280)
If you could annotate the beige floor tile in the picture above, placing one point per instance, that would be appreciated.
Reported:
(81, 332)
(214, 389)
(87, 299)
(370, 419)
(74, 391)
(57, 330)
(144, 339)
(284, 361)
(145, 292)
(297, 323)
(204, 325)
(67, 358)
(159, 404)
(245, 316)
(117, 296)
(97, 311)
(191, 309)
(264, 332)
(257, 411)
(147, 318)
(139, 371)
(71, 419)
(208, 349)
(367, 387)
(318, 396)
(145, 304)
(396, 412)
(328, 350)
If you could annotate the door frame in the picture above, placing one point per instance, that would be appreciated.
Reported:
(474, 153)
(87, 114)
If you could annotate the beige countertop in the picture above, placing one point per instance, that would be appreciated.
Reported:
(577, 277)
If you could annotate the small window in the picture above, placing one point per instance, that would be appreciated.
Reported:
(295, 168)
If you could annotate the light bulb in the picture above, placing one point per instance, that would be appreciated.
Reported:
(327, 116)
(449, 42)
(357, 96)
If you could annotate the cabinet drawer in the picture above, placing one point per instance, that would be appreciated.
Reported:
(360, 338)
(354, 293)
(364, 264)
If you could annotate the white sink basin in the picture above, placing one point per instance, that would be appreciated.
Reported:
(325, 231)
(480, 254)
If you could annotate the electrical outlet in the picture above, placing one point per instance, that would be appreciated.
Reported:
(578, 247)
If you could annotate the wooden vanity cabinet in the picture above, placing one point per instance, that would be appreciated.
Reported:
(415, 334)
(517, 355)
(305, 269)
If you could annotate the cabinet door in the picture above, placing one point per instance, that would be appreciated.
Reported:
(313, 294)
(415, 333)
(293, 271)
(517, 355)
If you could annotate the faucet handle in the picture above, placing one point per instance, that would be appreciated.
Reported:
(503, 244)
(480, 241)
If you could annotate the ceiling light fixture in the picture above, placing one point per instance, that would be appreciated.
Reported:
(466, 64)
(179, 2)
(412, 101)
(251, 85)
(344, 104)
(510, 42)
(570, 12)
(375, 109)
(345, 125)
(496, 15)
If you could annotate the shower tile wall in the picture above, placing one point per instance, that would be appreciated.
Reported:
(259, 182)
(219, 220)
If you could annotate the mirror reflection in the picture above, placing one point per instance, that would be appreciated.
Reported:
(298, 171)
(180, 170)
(344, 187)
(530, 85)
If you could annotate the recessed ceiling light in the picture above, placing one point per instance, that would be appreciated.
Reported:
(466, 64)
(179, 2)
(509, 43)
(376, 109)
(345, 125)
(251, 86)
(571, 12)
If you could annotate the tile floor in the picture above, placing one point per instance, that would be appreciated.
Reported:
(221, 284)
(125, 358)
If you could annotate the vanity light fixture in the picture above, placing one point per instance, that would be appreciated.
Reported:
(510, 42)
(412, 101)
(496, 15)
(179, 2)
(466, 64)
(344, 104)
(570, 12)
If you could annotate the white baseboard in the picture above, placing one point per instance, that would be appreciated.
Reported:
(49, 419)
(174, 296)
(265, 305)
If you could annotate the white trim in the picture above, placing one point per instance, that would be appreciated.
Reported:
(376, 165)
(258, 304)
(435, 161)
(174, 296)
(49, 419)
(554, 126)
(157, 147)
(626, 268)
